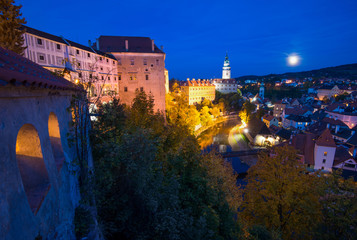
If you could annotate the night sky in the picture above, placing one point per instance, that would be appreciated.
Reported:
(258, 34)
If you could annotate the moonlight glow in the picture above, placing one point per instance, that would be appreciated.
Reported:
(293, 60)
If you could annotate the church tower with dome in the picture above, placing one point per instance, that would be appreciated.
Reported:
(226, 72)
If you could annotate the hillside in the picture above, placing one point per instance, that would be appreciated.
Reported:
(342, 71)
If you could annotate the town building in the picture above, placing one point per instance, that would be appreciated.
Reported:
(196, 91)
(270, 120)
(346, 112)
(141, 67)
(38, 176)
(79, 63)
(320, 152)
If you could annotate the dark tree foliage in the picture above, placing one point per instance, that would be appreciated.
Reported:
(10, 22)
(152, 182)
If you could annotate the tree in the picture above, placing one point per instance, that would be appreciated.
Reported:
(247, 110)
(206, 118)
(11, 37)
(281, 196)
(339, 208)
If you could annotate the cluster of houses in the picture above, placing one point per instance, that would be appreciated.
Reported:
(323, 132)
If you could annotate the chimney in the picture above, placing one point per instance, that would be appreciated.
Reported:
(126, 45)
(152, 46)
(90, 43)
(97, 43)
(162, 48)
(337, 128)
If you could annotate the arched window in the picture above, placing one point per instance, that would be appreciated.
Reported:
(55, 138)
(32, 167)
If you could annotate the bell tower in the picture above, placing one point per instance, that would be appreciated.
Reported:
(226, 72)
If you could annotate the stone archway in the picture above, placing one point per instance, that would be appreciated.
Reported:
(55, 139)
(32, 166)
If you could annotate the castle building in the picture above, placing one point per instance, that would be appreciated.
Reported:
(196, 91)
(57, 54)
(141, 67)
(226, 84)
(226, 72)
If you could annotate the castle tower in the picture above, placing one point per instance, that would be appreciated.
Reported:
(261, 91)
(226, 73)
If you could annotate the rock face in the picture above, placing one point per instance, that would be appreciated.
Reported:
(38, 182)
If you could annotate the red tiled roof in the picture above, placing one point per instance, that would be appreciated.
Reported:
(19, 71)
(268, 117)
(341, 155)
(304, 143)
(333, 121)
(326, 139)
(295, 111)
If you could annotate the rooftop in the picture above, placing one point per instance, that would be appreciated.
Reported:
(19, 71)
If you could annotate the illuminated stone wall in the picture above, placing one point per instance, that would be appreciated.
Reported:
(38, 185)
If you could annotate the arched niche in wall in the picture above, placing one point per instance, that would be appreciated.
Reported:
(32, 167)
(55, 138)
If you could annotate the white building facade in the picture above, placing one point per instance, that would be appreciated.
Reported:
(82, 63)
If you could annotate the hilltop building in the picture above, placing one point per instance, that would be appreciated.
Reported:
(38, 178)
(196, 91)
(225, 84)
(141, 67)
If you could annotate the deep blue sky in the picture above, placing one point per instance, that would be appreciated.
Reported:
(258, 34)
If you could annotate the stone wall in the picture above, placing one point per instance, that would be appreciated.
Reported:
(38, 182)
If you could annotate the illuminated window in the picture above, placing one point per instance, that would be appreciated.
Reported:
(131, 78)
(325, 153)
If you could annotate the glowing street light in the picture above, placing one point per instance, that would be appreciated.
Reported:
(245, 130)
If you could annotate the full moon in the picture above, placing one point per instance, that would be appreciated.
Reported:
(293, 60)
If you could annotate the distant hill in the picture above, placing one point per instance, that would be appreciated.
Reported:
(344, 71)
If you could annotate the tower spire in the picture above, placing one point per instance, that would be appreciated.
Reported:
(226, 72)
